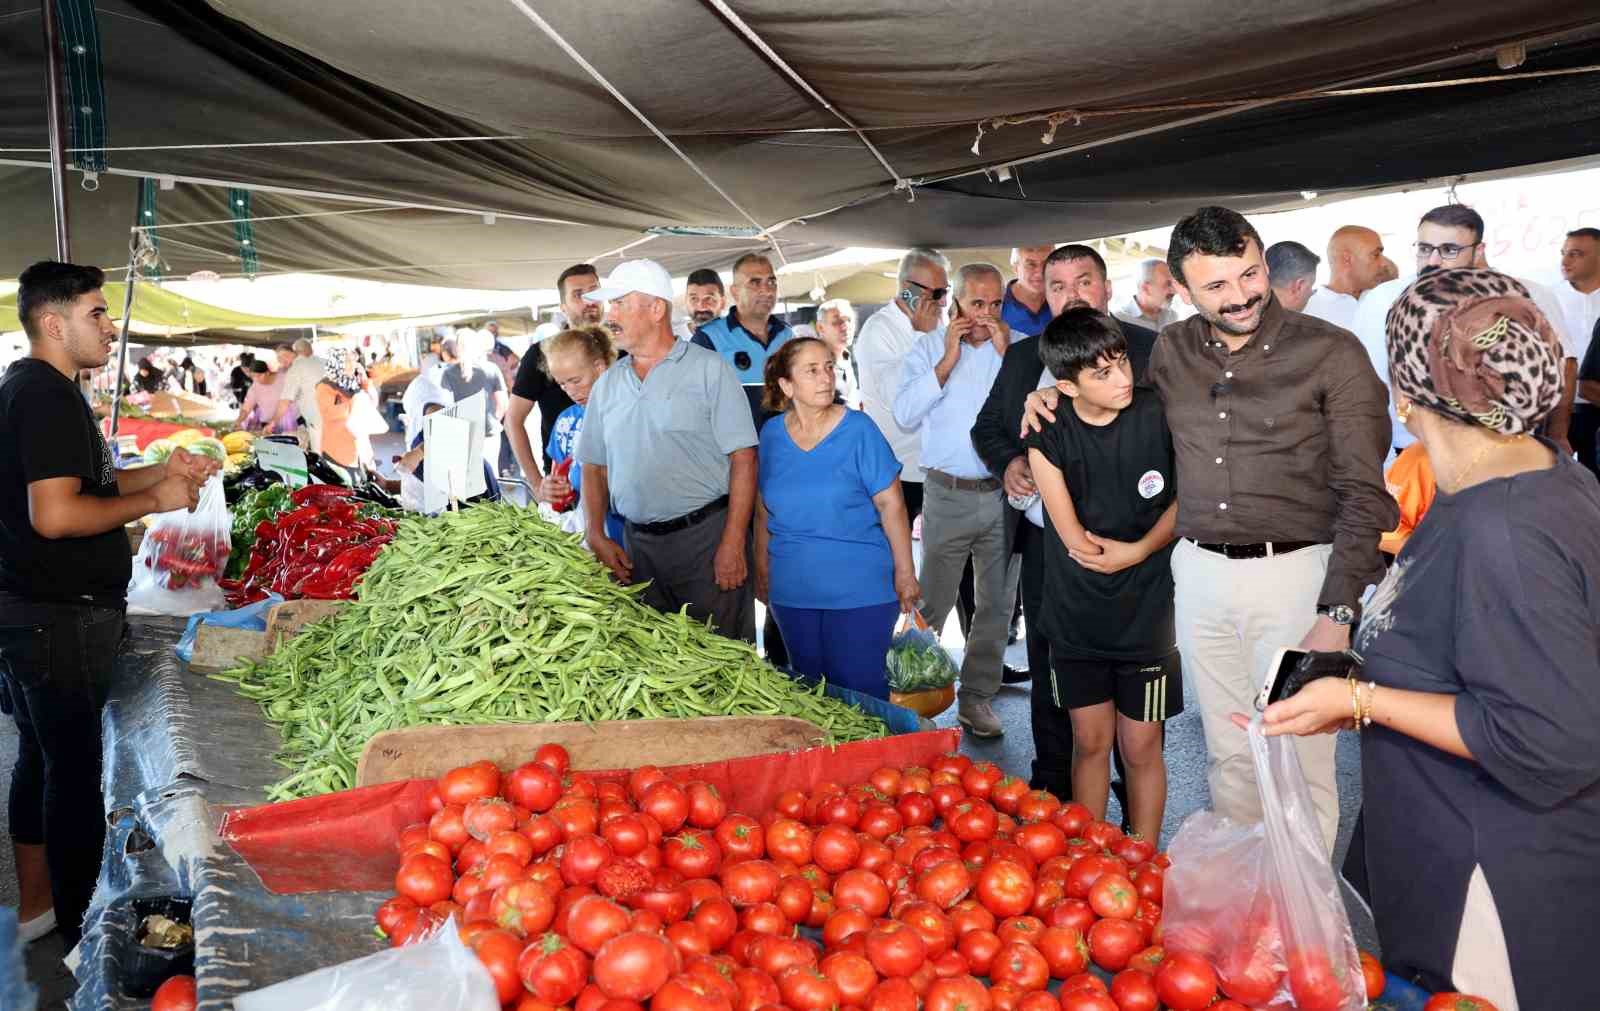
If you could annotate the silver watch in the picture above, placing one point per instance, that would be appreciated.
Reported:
(1339, 614)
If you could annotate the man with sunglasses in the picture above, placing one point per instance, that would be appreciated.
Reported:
(1450, 237)
(749, 332)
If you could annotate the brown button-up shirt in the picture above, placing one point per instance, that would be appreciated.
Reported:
(1282, 440)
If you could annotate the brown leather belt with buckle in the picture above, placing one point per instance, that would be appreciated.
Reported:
(963, 483)
(1265, 549)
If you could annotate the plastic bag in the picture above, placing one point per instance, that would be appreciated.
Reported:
(251, 616)
(434, 974)
(1261, 901)
(915, 661)
(182, 556)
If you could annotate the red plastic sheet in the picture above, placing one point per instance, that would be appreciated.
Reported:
(346, 841)
(146, 430)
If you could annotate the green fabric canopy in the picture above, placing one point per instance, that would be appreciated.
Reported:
(157, 311)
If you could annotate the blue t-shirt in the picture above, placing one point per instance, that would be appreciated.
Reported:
(563, 440)
(827, 549)
(1021, 319)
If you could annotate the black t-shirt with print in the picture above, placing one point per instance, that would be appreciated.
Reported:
(47, 431)
(1120, 477)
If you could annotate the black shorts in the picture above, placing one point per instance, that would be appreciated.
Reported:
(1148, 691)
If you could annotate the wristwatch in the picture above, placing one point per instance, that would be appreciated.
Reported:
(1339, 614)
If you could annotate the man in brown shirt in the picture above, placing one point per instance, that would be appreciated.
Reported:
(1280, 427)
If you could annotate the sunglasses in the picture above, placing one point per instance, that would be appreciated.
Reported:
(937, 294)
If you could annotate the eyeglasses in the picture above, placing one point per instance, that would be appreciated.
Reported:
(937, 294)
(1446, 250)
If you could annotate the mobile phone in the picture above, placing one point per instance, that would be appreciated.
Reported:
(1283, 665)
(911, 299)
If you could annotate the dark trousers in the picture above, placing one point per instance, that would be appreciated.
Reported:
(57, 661)
(1582, 434)
(681, 569)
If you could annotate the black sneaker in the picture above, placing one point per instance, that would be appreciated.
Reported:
(1011, 676)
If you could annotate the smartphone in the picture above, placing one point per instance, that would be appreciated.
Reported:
(1283, 665)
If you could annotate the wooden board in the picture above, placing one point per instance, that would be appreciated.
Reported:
(426, 752)
(217, 648)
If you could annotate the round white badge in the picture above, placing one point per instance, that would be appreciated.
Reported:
(1151, 483)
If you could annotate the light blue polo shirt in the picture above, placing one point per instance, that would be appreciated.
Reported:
(665, 440)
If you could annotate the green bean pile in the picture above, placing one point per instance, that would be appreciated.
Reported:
(492, 615)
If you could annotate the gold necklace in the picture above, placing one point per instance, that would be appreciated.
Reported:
(1477, 458)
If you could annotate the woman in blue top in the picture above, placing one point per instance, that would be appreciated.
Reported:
(574, 360)
(833, 542)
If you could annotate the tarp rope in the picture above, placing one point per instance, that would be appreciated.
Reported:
(900, 182)
(600, 79)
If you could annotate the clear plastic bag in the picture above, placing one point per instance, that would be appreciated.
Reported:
(182, 556)
(1261, 901)
(916, 662)
(434, 974)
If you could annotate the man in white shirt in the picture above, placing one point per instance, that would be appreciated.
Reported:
(1150, 305)
(1451, 237)
(300, 391)
(1292, 271)
(1579, 296)
(943, 384)
(1355, 266)
(881, 348)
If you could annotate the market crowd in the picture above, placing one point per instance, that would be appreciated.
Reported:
(1169, 499)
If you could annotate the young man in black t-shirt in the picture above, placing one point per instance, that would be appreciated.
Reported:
(1104, 470)
(64, 570)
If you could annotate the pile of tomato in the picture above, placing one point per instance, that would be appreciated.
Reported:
(950, 888)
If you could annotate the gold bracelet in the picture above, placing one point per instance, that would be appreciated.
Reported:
(1355, 702)
(1372, 695)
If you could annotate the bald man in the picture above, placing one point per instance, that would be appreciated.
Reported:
(1355, 266)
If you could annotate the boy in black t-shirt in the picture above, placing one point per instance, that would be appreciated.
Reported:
(1104, 470)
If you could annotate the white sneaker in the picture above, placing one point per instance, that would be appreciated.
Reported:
(39, 926)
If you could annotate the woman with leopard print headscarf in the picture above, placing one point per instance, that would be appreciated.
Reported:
(1480, 693)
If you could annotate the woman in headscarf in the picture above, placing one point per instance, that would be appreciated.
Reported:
(341, 380)
(1480, 692)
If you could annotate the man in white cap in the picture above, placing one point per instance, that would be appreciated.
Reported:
(668, 441)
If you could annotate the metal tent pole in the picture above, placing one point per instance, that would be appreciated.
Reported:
(58, 127)
(134, 246)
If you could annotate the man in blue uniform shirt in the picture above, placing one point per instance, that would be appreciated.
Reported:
(749, 332)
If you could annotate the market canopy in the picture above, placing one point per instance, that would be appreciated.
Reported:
(1128, 118)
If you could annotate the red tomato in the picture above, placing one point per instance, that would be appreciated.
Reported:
(577, 816)
(1006, 794)
(852, 974)
(176, 994)
(895, 949)
(1249, 973)
(690, 993)
(790, 804)
(394, 912)
(469, 782)
(1006, 996)
(1113, 897)
(670, 903)
(835, 848)
(944, 884)
(931, 924)
(916, 809)
(787, 839)
(552, 969)
(958, 993)
(1005, 888)
(1148, 960)
(1020, 928)
(499, 950)
(667, 803)
(1372, 975)
(750, 882)
(844, 924)
(1020, 964)
(555, 756)
(1065, 950)
(979, 947)
(633, 966)
(544, 832)
(706, 806)
(694, 854)
(592, 921)
(523, 906)
(1313, 982)
(1074, 913)
(424, 879)
(979, 779)
(1084, 981)
(862, 890)
(950, 964)
(805, 988)
(1072, 818)
(1103, 835)
(765, 918)
(1150, 882)
(794, 898)
(1134, 849)
(626, 834)
(1113, 942)
(741, 838)
(973, 819)
(1041, 840)
(838, 809)
(756, 989)
(511, 844)
(582, 858)
(1087, 1000)
(1086, 872)
(718, 919)
(534, 785)
(1186, 982)
(1134, 991)
(643, 778)
(1038, 805)
(893, 995)
(1227, 1005)
(689, 939)
(968, 915)
(447, 827)
(946, 796)
(879, 820)
(772, 955)
(1453, 1001)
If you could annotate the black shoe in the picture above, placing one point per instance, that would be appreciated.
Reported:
(1011, 676)
(1119, 789)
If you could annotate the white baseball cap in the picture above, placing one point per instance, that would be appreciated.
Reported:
(545, 331)
(646, 276)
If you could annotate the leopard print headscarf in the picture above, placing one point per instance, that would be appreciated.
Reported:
(1472, 345)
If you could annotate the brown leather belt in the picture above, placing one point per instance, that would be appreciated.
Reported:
(962, 483)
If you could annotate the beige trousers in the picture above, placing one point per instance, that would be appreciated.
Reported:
(1233, 615)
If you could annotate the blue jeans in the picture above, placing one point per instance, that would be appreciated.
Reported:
(57, 661)
(845, 645)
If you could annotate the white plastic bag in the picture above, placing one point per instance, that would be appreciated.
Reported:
(434, 974)
(182, 556)
(1261, 901)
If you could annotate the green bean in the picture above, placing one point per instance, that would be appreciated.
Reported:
(491, 615)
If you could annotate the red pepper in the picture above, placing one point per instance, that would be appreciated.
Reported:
(319, 493)
(570, 499)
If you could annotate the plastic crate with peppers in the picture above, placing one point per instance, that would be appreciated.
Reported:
(318, 549)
